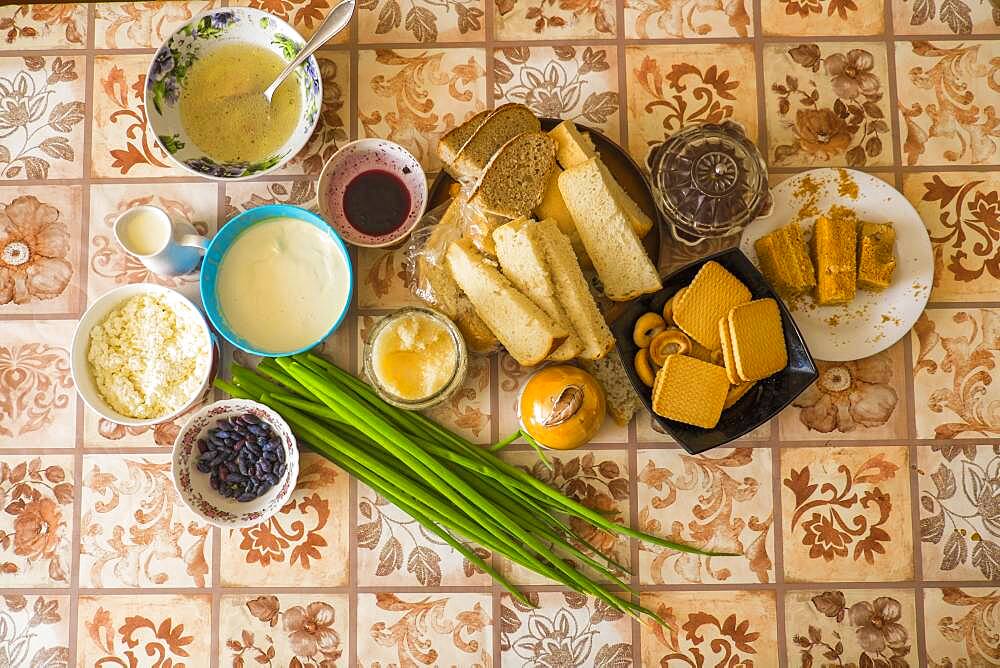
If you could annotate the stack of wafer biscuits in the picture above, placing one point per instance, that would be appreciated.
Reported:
(744, 338)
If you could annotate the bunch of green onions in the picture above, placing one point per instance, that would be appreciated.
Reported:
(450, 486)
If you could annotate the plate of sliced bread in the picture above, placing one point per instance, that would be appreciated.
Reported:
(548, 229)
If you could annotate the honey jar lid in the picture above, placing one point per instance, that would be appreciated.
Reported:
(562, 407)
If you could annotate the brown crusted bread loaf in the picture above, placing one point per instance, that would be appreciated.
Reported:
(572, 290)
(506, 122)
(515, 178)
(528, 334)
(435, 281)
(452, 141)
(618, 255)
(522, 259)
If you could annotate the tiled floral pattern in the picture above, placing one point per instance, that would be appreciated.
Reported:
(957, 17)
(35, 630)
(960, 626)
(44, 26)
(846, 514)
(37, 398)
(563, 627)
(947, 100)
(728, 628)
(862, 399)
(554, 19)
(249, 194)
(860, 627)
(673, 86)
(36, 520)
(382, 277)
(122, 143)
(578, 83)
(280, 630)
(827, 104)
(652, 19)
(132, 630)
(961, 211)
(134, 529)
(959, 488)
(306, 539)
(954, 359)
(598, 480)
(41, 129)
(139, 25)
(726, 497)
(447, 629)
(823, 17)
(41, 230)
(303, 15)
(414, 96)
(421, 21)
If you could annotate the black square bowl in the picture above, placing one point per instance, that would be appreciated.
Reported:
(767, 398)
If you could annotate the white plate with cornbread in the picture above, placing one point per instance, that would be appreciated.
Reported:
(849, 256)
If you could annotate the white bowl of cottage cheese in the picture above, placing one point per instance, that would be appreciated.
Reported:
(141, 354)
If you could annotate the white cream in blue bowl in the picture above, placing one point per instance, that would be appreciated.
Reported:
(202, 96)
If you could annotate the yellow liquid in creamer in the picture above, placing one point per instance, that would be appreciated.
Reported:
(224, 112)
(282, 284)
(144, 233)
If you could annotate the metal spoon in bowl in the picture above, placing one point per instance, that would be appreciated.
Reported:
(338, 19)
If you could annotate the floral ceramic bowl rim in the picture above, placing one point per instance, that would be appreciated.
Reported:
(193, 486)
(83, 377)
(165, 79)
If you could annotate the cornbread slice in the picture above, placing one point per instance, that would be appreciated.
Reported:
(506, 122)
(690, 391)
(522, 260)
(452, 141)
(552, 206)
(784, 260)
(572, 290)
(834, 247)
(876, 259)
(439, 289)
(528, 334)
(727, 351)
(575, 147)
(514, 180)
(710, 296)
(612, 245)
(622, 402)
(758, 339)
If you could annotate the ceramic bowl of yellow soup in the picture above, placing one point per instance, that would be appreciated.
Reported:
(201, 99)
(276, 280)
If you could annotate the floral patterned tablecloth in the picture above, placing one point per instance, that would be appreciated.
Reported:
(867, 514)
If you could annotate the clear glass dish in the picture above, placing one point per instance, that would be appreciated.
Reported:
(457, 377)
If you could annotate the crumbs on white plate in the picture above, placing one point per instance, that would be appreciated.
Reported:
(148, 357)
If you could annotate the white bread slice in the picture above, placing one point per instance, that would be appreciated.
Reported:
(522, 260)
(552, 206)
(616, 251)
(572, 290)
(506, 122)
(640, 222)
(527, 333)
(575, 147)
(452, 141)
(438, 288)
(514, 180)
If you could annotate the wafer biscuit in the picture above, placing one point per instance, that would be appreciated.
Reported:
(727, 351)
(690, 391)
(758, 339)
(711, 295)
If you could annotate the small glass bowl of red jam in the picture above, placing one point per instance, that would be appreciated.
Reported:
(373, 192)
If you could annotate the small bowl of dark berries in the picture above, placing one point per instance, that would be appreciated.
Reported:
(235, 463)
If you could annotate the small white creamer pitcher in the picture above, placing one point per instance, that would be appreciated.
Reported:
(165, 247)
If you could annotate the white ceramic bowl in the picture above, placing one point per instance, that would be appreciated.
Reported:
(362, 156)
(194, 486)
(166, 76)
(83, 377)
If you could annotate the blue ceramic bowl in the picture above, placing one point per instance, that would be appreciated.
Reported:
(224, 239)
